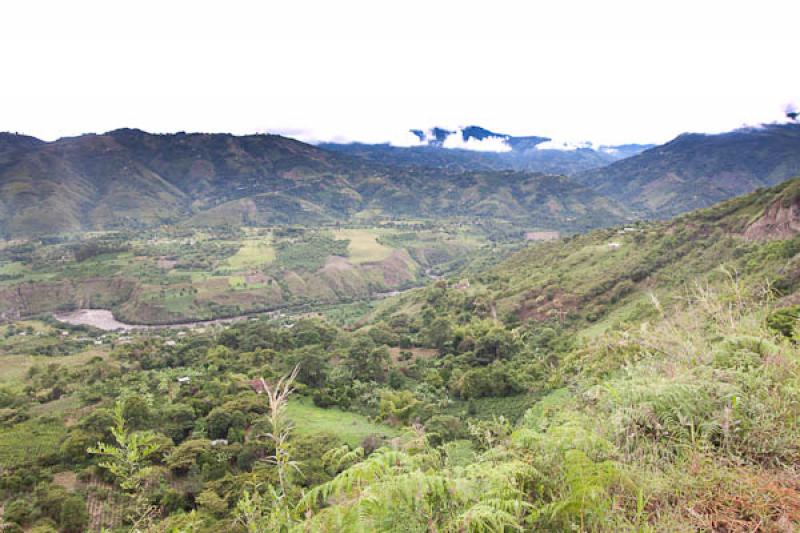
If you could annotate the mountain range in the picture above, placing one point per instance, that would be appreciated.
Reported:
(697, 170)
(477, 147)
(132, 179)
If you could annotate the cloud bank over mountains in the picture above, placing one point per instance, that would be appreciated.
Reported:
(478, 139)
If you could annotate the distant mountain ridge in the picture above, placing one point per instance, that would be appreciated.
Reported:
(697, 170)
(129, 179)
(437, 136)
(475, 147)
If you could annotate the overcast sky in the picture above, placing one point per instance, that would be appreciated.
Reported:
(609, 72)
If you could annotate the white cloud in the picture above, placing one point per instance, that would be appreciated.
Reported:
(405, 139)
(567, 146)
(487, 144)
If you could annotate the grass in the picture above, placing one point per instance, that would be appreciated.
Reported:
(179, 303)
(626, 313)
(12, 269)
(60, 407)
(14, 367)
(511, 407)
(364, 246)
(350, 427)
(253, 253)
(29, 441)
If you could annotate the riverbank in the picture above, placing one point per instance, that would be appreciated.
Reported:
(104, 319)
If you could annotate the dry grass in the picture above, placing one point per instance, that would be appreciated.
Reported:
(364, 246)
(749, 501)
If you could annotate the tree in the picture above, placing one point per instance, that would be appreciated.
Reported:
(398, 406)
(366, 360)
(497, 343)
(439, 333)
(128, 460)
(312, 364)
(136, 412)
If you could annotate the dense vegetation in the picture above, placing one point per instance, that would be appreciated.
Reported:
(641, 378)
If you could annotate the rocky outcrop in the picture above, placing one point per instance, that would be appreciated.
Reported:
(781, 220)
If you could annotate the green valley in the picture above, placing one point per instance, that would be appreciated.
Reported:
(383, 267)
(183, 274)
(637, 378)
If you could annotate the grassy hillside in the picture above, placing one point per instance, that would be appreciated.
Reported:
(696, 170)
(609, 276)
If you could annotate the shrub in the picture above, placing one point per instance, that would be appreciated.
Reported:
(444, 428)
(73, 517)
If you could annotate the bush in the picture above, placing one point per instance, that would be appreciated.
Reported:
(743, 352)
(188, 453)
(784, 321)
(19, 511)
(208, 500)
(444, 428)
(493, 380)
(172, 501)
(73, 517)
(397, 407)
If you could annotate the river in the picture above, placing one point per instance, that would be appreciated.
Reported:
(104, 319)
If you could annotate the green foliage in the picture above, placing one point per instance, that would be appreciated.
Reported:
(494, 380)
(394, 489)
(575, 387)
(48, 508)
(73, 517)
(784, 321)
(398, 407)
(129, 456)
(310, 253)
(366, 360)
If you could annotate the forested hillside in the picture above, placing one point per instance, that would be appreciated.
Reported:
(132, 180)
(697, 170)
(641, 378)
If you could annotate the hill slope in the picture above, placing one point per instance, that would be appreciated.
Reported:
(606, 277)
(132, 179)
(696, 170)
